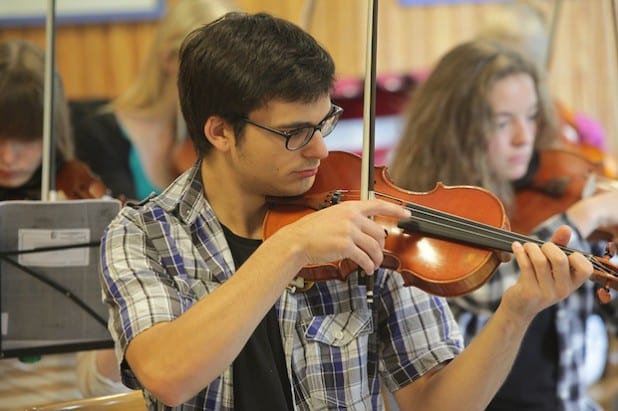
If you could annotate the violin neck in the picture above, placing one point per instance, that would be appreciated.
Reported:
(450, 227)
(461, 235)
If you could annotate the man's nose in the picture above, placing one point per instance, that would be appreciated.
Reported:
(316, 148)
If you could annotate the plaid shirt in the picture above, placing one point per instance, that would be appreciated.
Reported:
(161, 257)
(474, 309)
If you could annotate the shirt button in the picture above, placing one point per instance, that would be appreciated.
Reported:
(339, 335)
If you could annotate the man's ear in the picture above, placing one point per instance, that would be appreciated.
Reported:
(219, 133)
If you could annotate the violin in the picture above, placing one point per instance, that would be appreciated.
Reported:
(607, 164)
(74, 180)
(557, 179)
(448, 246)
(77, 181)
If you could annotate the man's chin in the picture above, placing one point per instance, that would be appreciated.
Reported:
(298, 191)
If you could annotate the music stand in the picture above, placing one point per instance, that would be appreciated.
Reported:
(51, 301)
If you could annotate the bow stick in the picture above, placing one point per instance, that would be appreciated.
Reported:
(48, 165)
(367, 159)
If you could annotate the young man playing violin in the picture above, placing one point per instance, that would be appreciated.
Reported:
(200, 306)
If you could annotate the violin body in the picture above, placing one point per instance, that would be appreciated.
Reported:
(448, 247)
(438, 266)
(606, 164)
(557, 184)
(73, 180)
(563, 178)
(76, 181)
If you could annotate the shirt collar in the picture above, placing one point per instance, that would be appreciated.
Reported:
(185, 195)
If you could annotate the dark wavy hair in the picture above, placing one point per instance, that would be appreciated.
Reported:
(239, 62)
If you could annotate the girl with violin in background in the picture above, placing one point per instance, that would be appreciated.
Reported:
(523, 26)
(137, 144)
(57, 377)
(208, 314)
(479, 119)
(581, 156)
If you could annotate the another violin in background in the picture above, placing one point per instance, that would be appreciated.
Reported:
(557, 179)
(585, 136)
(607, 164)
(76, 181)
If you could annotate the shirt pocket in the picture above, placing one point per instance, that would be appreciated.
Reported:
(336, 348)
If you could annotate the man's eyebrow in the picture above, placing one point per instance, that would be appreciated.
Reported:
(301, 124)
(295, 125)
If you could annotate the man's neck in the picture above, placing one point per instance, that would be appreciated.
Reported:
(242, 213)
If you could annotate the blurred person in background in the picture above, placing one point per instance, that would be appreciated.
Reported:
(479, 119)
(57, 377)
(137, 143)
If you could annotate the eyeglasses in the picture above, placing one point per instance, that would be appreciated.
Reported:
(299, 137)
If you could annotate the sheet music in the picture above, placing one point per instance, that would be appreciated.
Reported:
(30, 239)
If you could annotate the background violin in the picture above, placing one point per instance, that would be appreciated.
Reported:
(446, 248)
(557, 179)
(77, 181)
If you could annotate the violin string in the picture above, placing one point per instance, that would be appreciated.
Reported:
(492, 234)
(445, 224)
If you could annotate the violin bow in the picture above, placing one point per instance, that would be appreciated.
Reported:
(306, 14)
(553, 28)
(367, 159)
(48, 192)
(614, 19)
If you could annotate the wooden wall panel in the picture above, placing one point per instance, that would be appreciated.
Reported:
(97, 60)
(100, 60)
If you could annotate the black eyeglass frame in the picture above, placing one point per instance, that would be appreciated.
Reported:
(335, 112)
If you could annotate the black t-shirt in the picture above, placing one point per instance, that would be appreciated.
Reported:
(260, 375)
(531, 384)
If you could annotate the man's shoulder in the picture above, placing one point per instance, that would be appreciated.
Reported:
(181, 203)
